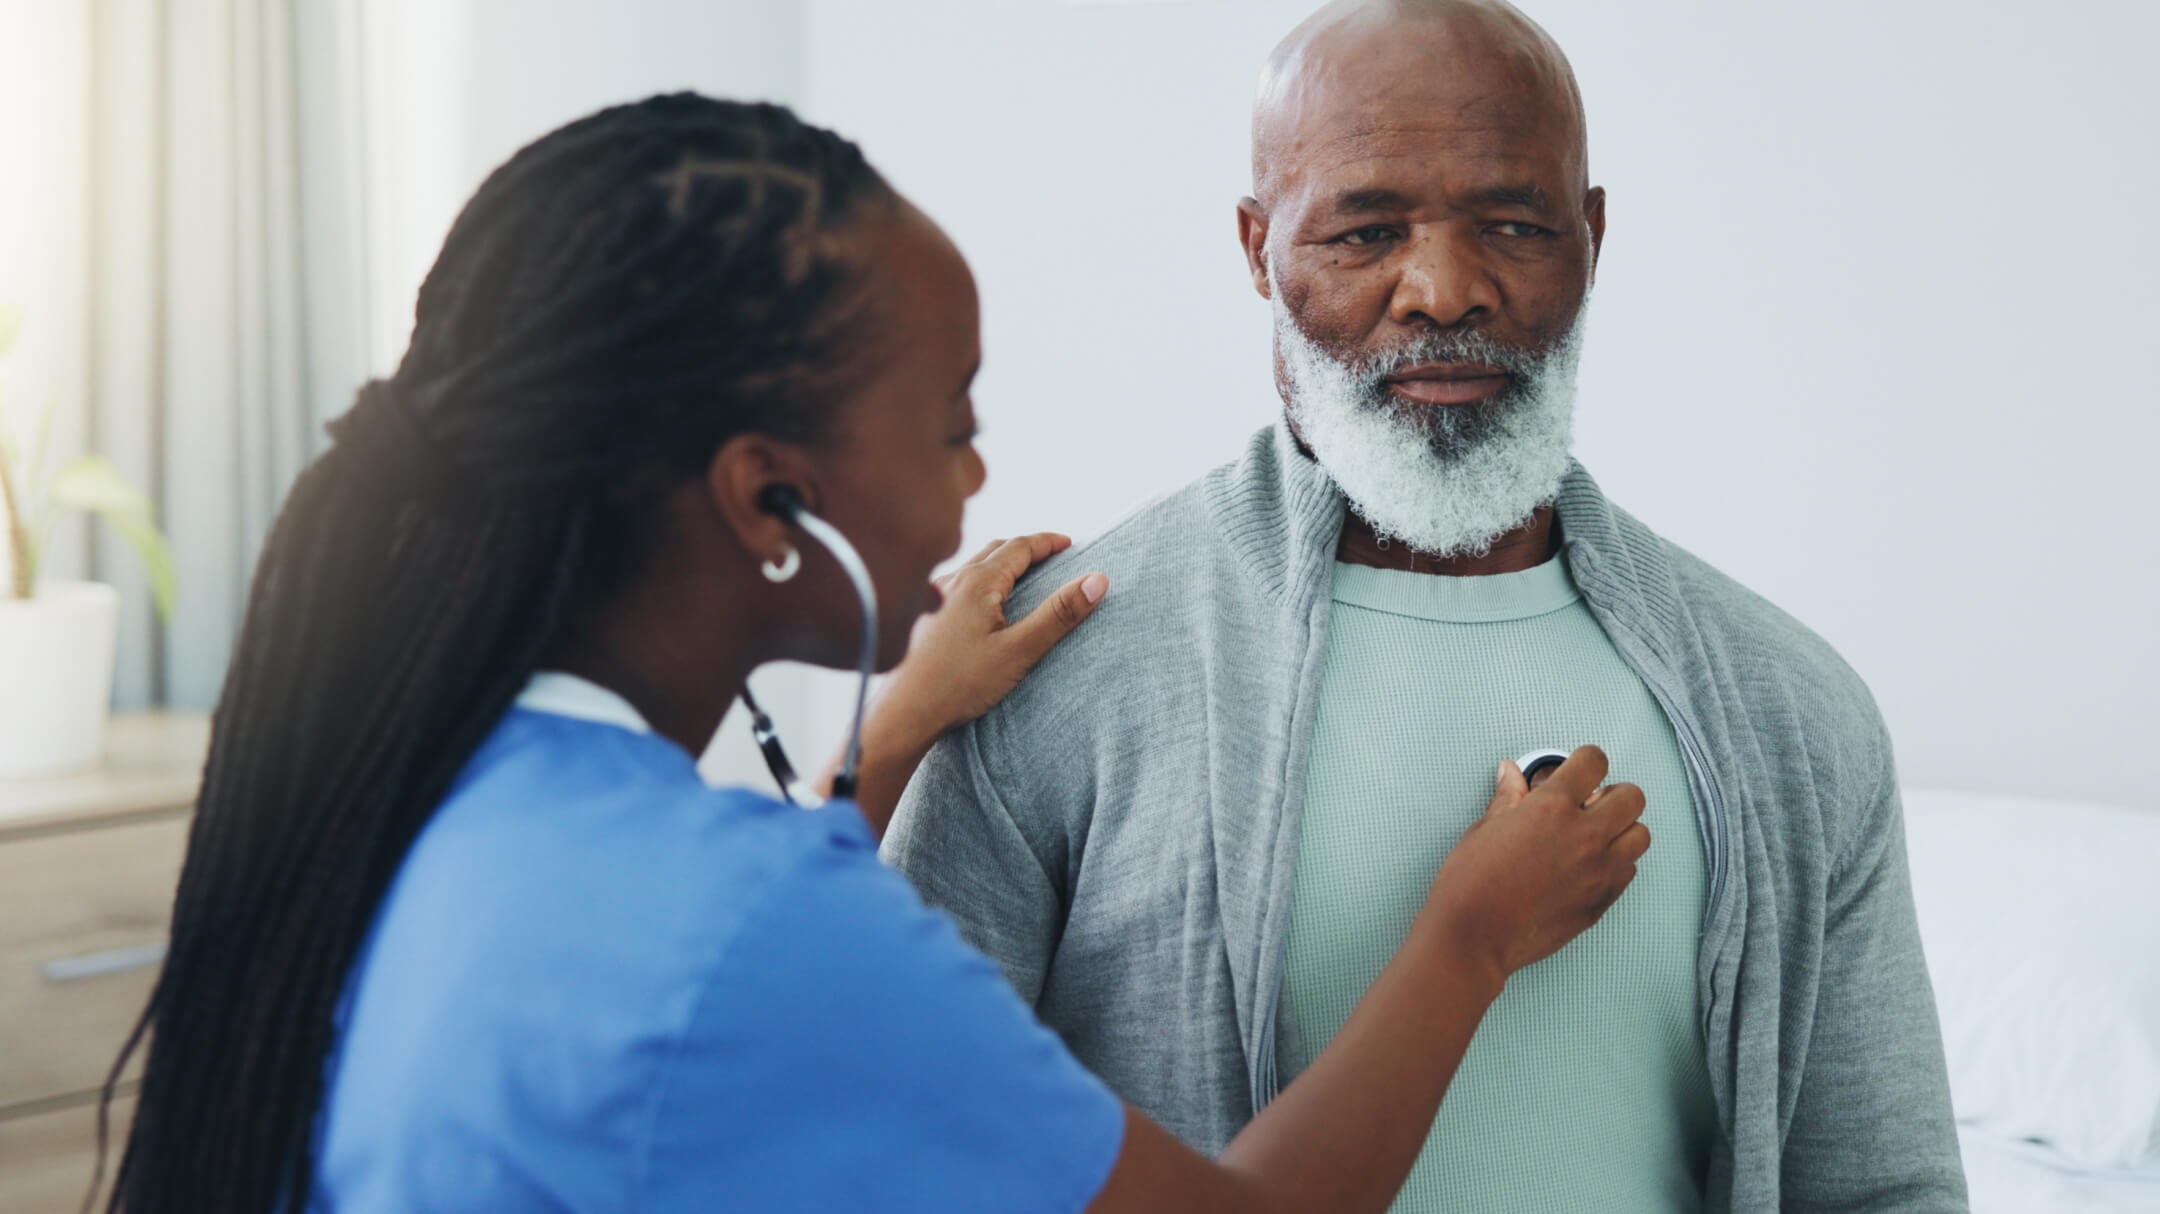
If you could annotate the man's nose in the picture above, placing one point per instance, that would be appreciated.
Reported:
(1445, 281)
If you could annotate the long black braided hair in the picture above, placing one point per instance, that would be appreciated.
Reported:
(618, 300)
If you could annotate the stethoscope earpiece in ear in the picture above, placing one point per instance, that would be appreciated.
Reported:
(780, 499)
(783, 502)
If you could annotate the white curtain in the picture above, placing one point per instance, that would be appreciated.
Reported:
(228, 313)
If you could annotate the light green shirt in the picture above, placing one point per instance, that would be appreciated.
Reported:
(1586, 1086)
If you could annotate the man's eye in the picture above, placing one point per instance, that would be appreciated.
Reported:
(1362, 236)
(1518, 229)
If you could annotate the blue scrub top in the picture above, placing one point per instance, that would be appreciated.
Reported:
(597, 984)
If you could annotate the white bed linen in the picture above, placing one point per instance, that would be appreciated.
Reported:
(2041, 921)
(2018, 1178)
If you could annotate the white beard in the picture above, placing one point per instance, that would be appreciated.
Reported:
(1446, 480)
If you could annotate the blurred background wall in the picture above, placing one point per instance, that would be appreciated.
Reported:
(1870, 332)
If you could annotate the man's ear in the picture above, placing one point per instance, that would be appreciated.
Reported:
(1252, 230)
(1594, 210)
(736, 481)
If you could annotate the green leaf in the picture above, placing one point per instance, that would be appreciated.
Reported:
(150, 548)
(33, 552)
(18, 537)
(91, 484)
(31, 486)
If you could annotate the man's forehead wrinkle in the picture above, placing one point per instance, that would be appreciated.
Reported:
(1373, 159)
(1375, 151)
(1480, 116)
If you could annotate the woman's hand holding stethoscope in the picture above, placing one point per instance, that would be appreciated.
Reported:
(962, 659)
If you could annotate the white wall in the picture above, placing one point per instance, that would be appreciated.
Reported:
(459, 85)
(1867, 335)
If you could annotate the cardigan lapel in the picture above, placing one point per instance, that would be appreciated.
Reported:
(1278, 519)
(1626, 575)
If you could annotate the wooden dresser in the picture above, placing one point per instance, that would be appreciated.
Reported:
(87, 867)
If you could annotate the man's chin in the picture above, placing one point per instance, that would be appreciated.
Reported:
(1451, 499)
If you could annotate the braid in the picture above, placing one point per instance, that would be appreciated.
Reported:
(618, 299)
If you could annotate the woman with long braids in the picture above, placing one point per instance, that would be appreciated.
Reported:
(461, 930)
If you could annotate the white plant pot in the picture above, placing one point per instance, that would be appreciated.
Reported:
(56, 676)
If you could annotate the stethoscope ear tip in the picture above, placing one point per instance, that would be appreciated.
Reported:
(782, 499)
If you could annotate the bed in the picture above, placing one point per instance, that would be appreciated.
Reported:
(2020, 1178)
(2041, 921)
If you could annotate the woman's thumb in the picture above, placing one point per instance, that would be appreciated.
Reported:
(1508, 788)
(1057, 616)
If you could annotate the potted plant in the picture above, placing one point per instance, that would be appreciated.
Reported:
(57, 637)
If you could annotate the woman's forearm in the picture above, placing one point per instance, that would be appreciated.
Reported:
(1344, 1135)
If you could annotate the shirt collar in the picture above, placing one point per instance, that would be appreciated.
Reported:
(1479, 599)
(567, 695)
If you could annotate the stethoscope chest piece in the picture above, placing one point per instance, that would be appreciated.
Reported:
(1540, 761)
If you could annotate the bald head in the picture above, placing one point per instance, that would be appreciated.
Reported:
(1358, 66)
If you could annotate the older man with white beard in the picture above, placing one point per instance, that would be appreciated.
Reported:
(1195, 835)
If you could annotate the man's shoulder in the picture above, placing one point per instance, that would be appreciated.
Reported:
(1645, 583)
(1176, 587)
(1169, 544)
(1162, 567)
(1160, 533)
(1822, 725)
(1748, 667)
(1761, 641)
(1170, 569)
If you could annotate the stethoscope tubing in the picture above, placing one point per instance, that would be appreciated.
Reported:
(851, 563)
(793, 789)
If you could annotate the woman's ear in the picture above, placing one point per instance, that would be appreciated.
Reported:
(739, 482)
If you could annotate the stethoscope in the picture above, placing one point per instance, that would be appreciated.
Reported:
(784, 501)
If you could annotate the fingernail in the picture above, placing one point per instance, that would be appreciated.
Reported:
(1094, 586)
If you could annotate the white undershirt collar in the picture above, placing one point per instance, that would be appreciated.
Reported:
(567, 695)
